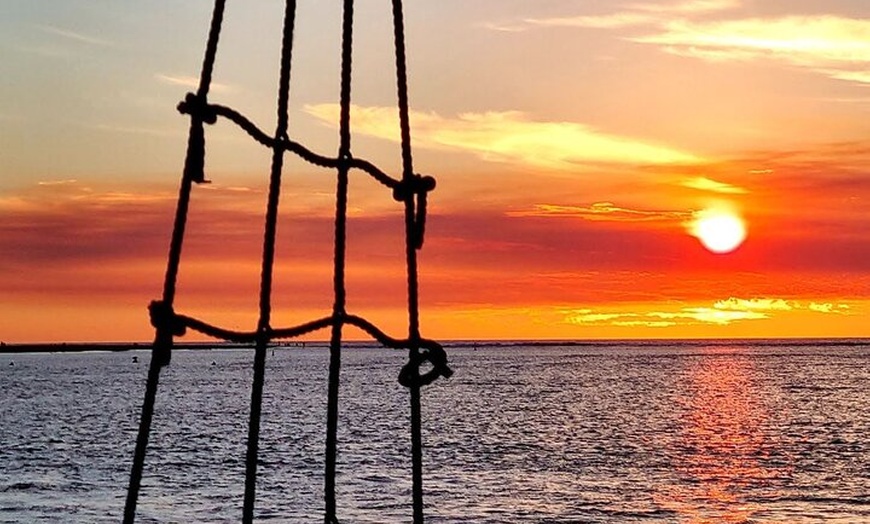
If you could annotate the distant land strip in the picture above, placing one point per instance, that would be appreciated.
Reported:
(71, 347)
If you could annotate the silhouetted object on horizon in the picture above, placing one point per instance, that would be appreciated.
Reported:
(411, 190)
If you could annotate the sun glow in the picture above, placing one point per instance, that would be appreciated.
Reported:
(719, 230)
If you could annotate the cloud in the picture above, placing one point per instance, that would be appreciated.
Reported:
(504, 27)
(862, 77)
(805, 209)
(611, 21)
(75, 36)
(190, 82)
(689, 6)
(636, 15)
(805, 40)
(722, 313)
(754, 304)
(836, 46)
(584, 316)
(508, 137)
(822, 308)
(66, 223)
(65, 182)
(70, 239)
(644, 323)
(710, 315)
(828, 307)
(707, 184)
(682, 316)
(600, 211)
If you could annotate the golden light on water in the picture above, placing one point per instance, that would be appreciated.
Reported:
(725, 443)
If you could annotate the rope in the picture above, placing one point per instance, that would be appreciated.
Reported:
(268, 263)
(413, 240)
(434, 353)
(411, 189)
(161, 353)
(340, 256)
(421, 184)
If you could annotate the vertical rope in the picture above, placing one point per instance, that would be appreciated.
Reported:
(263, 325)
(142, 440)
(338, 311)
(162, 347)
(411, 245)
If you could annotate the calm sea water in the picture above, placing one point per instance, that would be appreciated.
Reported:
(687, 432)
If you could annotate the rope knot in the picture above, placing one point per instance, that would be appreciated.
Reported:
(164, 318)
(410, 374)
(416, 185)
(199, 111)
(198, 108)
(345, 159)
(408, 188)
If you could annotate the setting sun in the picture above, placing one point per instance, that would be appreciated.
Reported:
(718, 230)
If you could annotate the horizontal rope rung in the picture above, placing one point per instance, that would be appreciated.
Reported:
(207, 113)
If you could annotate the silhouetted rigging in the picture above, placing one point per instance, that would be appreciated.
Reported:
(411, 189)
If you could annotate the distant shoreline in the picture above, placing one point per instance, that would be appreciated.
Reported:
(73, 347)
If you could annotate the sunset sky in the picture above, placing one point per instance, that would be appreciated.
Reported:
(575, 144)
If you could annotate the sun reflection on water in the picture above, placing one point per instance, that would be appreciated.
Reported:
(721, 448)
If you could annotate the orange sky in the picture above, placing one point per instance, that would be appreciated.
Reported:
(573, 145)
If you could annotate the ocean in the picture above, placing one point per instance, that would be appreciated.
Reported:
(774, 431)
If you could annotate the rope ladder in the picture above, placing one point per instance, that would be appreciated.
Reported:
(410, 189)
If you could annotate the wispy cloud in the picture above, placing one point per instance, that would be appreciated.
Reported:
(190, 82)
(710, 315)
(609, 21)
(862, 77)
(65, 182)
(583, 316)
(510, 137)
(504, 27)
(754, 304)
(828, 307)
(74, 35)
(810, 41)
(633, 16)
(688, 6)
(686, 315)
(721, 313)
(600, 211)
(707, 184)
(836, 46)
